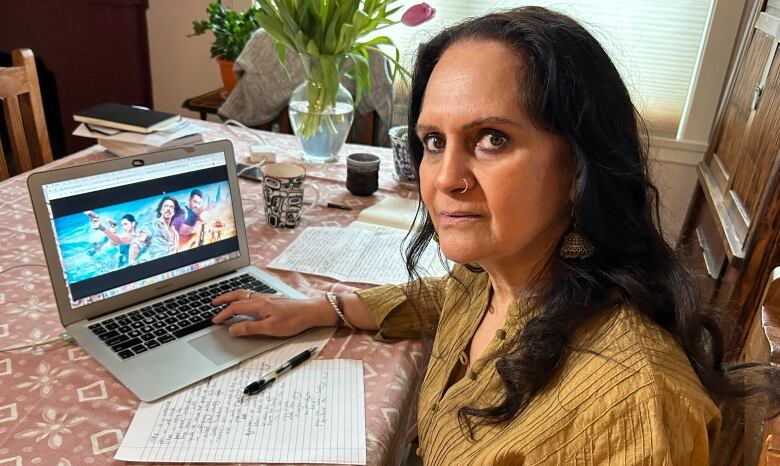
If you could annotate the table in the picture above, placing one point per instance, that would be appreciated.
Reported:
(206, 104)
(59, 406)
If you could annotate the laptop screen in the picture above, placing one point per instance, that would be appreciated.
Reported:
(121, 231)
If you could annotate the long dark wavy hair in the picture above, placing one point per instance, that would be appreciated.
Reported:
(571, 88)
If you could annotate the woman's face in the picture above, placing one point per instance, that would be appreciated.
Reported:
(472, 127)
(127, 225)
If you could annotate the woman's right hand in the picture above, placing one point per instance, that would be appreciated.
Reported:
(278, 316)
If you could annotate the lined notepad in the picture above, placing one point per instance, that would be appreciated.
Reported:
(355, 255)
(368, 251)
(312, 414)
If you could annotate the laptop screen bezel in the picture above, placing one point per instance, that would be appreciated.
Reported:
(69, 315)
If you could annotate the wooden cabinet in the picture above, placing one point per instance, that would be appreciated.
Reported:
(731, 231)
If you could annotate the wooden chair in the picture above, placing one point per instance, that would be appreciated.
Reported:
(762, 439)
(23, 108)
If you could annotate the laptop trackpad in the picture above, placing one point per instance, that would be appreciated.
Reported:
(220, 347)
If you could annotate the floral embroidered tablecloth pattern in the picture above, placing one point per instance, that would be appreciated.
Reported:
(60, 407)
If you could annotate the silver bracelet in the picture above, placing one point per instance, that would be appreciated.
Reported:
(334, 303)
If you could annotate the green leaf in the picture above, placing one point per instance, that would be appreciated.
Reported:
(300, 42)
(286, 18)
(379, 40)
(231, 29)
(359, 19)
(312, 49)
(330, 39)
(276, 30)
(361, 73)
(346, 39)
(392, 12)
(281, 53)
(332, 77)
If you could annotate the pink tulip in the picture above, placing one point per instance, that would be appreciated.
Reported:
(418, 14)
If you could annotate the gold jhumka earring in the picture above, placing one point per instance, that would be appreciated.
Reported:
(575, 245)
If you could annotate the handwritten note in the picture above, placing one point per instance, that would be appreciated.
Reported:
(312, 414)
(357, 255)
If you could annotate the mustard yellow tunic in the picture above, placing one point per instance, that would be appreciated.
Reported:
(626, 395)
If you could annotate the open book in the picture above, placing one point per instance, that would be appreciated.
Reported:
(370, 250)
(390, 212)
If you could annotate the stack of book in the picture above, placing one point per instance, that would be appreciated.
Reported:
(127, 130)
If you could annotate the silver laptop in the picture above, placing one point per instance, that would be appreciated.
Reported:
(137, 248)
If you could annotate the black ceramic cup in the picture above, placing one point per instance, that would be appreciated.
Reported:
(362, 174)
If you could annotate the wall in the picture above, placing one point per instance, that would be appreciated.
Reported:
(181, 66)
(86, 52)
(673, 170)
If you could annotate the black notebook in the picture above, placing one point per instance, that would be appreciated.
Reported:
(126, 118)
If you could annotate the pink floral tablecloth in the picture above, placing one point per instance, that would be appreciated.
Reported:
(58, 406)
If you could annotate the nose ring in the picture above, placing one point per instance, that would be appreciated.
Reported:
(465, 188)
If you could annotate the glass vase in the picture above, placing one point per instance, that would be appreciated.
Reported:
(321, 109)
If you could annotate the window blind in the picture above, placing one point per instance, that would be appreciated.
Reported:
(654, 44)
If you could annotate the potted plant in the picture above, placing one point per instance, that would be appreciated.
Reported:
(232, 30)
(329, 36)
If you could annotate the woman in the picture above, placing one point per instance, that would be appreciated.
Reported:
(122, 240)
(128, 226)
(569, 331)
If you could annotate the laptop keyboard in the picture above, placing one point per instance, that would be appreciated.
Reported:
(152, 326)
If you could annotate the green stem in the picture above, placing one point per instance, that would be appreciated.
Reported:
(318, 99)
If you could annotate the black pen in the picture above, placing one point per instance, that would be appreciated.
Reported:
(333, 205)
(259, 385)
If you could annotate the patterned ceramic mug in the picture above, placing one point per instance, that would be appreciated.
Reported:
(283, 185)
(403, 170)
